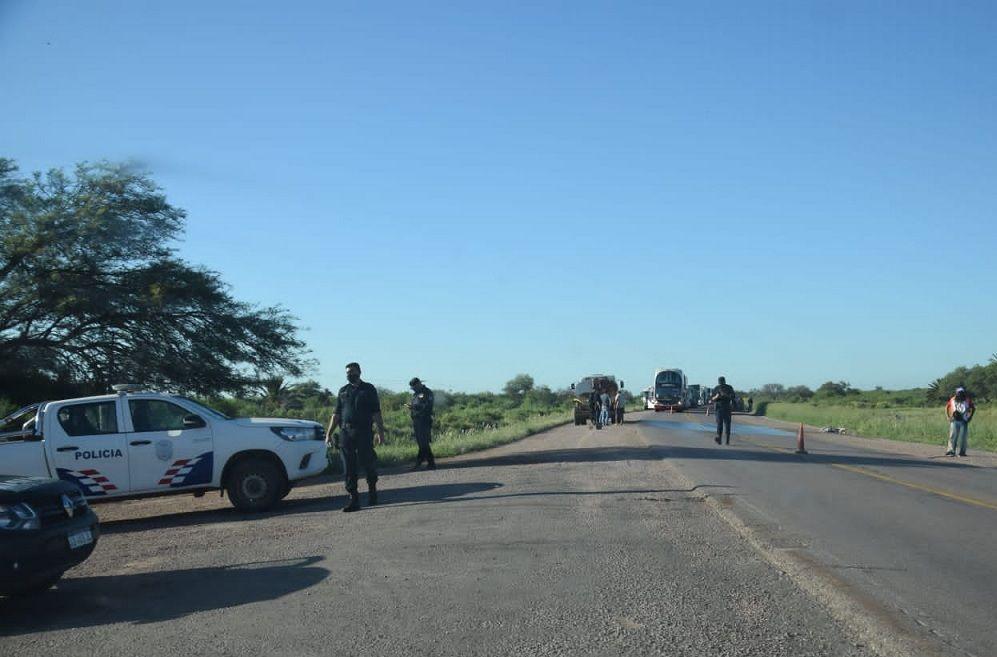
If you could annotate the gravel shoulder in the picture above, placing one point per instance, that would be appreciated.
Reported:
(570, 542)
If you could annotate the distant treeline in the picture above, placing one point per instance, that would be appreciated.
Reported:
(980, 380)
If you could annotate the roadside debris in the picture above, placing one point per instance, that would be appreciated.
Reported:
(832, 430)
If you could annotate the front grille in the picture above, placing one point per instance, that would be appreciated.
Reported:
(51, 513)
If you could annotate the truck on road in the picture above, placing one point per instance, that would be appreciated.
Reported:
(583, 392)
(137, 443)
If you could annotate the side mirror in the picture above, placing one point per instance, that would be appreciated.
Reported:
(192, 422)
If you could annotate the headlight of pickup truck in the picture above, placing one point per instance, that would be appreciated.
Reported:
(18, 516)
(298, 433)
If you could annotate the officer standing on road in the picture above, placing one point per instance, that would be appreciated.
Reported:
(594, 406)
(723, 398)
(358, 410)
(421, 408)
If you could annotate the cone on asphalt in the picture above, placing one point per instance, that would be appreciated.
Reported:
(800, 446)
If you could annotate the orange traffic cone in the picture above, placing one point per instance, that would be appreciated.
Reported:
(800, 447)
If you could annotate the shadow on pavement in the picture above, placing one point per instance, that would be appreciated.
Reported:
(569, 493)
(430, 493)
(710, 451)
(154, 597)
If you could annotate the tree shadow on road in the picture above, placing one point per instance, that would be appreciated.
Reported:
(418, 500)
(155, 597)
(298, 506)
(709, 451)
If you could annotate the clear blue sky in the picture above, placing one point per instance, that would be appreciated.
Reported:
(779, 192)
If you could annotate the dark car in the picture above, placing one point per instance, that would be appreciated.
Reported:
(46, 528)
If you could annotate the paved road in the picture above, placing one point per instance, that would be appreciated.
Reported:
(907, 533)
(572, 542)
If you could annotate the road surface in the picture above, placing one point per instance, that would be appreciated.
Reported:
(902, 531)
(633, 540)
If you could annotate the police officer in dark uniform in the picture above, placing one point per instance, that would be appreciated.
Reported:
(723, 398)
(594, 405)
(421, 408)
(358, 410)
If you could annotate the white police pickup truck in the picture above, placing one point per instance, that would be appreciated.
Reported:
(137, 443)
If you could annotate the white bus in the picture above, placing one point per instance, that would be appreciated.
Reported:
(669, 390)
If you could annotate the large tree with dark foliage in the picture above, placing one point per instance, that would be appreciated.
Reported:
(92, 293)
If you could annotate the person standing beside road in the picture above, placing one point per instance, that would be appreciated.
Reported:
(723, 400)
(421, 408)
(619, 404)
(604, 404)
(358, 410)
(959, 409)
(594, 409)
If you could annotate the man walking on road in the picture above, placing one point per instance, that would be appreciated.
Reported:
(421, 408)
(959, 409)
(723, 398)
(358, 410)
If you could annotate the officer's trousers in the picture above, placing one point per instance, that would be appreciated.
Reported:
(357, 451)
(423, 430)
(723, 422)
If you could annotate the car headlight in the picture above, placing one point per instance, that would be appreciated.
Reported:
(18, 516)
(298, 433)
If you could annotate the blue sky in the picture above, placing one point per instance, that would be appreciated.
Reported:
(778, 192)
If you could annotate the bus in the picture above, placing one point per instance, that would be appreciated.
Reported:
(670, 390)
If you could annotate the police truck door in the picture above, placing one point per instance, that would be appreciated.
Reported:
(169, 446)
(88, 447)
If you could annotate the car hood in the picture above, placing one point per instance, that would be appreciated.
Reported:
(273, 422)
(14, 488)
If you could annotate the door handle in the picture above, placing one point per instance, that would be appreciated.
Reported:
(201, 440)
(67, 448)
(140, 442)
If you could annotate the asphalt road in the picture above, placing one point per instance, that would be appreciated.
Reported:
(904, 535)
(572, 542)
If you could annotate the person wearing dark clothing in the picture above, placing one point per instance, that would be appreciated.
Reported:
(595, 408)
(723, 400)
(421, 409)
(358, 412)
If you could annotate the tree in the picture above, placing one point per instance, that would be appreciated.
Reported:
(518, 385)
(801, 393)
(92, 293)
(772, 391)
(835, 389)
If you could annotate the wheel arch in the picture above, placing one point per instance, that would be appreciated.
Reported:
(250, 454)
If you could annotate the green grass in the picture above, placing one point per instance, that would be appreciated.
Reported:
(452, 443)
(918, 425)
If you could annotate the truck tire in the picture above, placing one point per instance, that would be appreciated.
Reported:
(255, 485)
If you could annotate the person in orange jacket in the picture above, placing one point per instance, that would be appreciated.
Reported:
(959, 409)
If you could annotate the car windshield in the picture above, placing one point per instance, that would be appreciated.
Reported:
(206, 409)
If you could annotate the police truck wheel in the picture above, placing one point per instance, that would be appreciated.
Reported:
(255, 485)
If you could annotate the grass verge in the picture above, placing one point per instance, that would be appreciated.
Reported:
(454, 443)
(917, 425)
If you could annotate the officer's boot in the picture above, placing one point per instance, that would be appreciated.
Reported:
(372, 494)
(432, 462)
(354, 504)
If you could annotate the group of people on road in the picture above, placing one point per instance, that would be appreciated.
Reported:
(606, 408)
(358, 415)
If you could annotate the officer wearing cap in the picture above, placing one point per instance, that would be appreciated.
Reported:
(421, 408)
(358, 411)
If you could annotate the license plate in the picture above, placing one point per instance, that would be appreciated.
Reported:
(79, 539)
